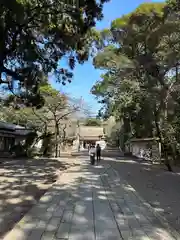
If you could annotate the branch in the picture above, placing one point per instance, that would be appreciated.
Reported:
(10, 89)
(3, 81)
(37, 115)
(53, 109)
(66, 114)
(11, 73)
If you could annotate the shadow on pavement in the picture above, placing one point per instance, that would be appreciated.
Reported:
(89, 203)
(22, 183)
(156, 185)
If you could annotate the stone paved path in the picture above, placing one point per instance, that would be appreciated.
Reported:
(22, 183)
(90, 203)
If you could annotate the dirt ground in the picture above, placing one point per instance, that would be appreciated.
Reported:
(22, 183)
(155, 184)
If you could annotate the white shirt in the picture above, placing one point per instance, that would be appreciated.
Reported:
(92, 150)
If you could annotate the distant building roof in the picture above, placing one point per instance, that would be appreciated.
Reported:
(15, 129)
(90, 133)
(7, 126)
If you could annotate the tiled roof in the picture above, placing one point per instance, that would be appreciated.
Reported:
(87, 131)
(16, 129)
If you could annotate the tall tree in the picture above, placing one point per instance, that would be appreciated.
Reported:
(36, 34)
(51, 119)
(140, 53)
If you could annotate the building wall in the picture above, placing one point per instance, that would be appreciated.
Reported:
(149, 150)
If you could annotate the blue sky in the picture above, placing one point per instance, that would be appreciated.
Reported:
(85, 75)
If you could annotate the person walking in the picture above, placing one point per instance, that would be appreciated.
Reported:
(98, 153)
(88, 146)
(92, 153)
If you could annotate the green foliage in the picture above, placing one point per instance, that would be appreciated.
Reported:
(50, 121)
(37, 34)
(93, 122)
(148, 9)
(140, 56)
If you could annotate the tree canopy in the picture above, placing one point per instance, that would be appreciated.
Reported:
(36, 34)
(140, 54)
(93, 122)
(50, 120)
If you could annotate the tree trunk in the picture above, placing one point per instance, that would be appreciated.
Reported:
(161, 139)
(169, 145)
(127, 130)
(56, 139)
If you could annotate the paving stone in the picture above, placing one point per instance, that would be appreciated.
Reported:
(123, 225)
(63, 230)
(53, 224)
(38, 209)
(45, 217)
(62, 203)
(156, 233)
(139, 215)
(70, 205)
(139, 234)
(52, 207)
(83, 220)
(90, 204)
(51, 229)
(58, 213)
(38, 231)
(105, 225)
(48, 236)
(67, 216)
(46, 198)
(82, 231)
(143, 216)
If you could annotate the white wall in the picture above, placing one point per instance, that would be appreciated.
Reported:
(142, 150)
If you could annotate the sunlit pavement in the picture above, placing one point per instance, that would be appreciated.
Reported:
(91, 202)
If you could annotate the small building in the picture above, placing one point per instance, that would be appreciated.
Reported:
(74, 135)
(90, 135)
(11, 135)
(145, 148)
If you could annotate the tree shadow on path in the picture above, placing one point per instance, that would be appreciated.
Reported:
(90, 203)
(155, 184)
(22, 183)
